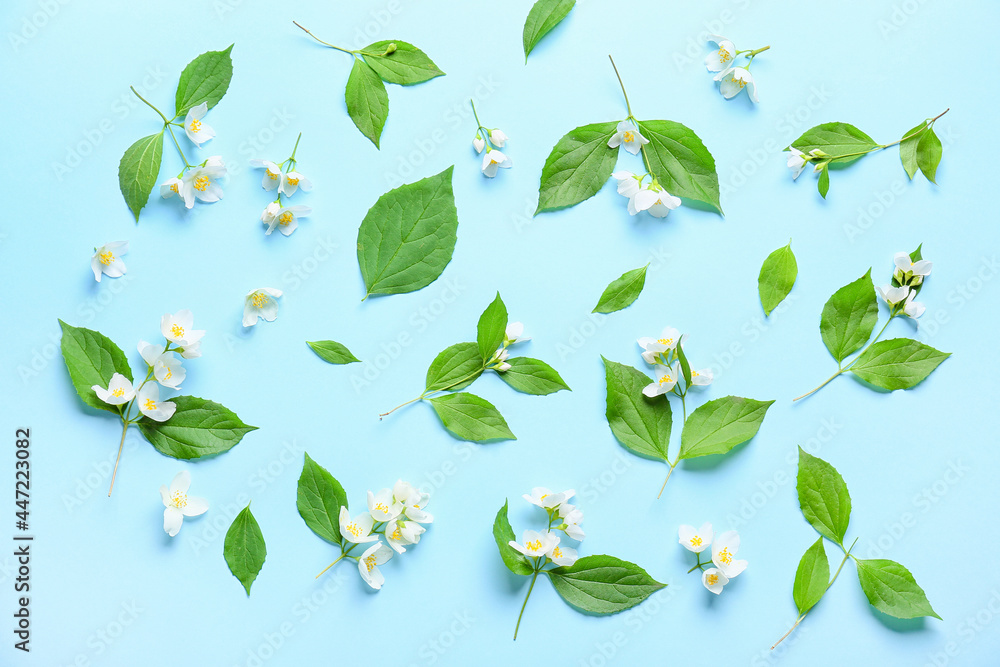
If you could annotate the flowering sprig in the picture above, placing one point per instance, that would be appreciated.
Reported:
(466, 415)
(592, 584)
(492, 140)
(284, 178)
(185, 427)
(826, 505)
(397, 516)
(840, 144)
(643, 426)
(732, 79)
(723, 566)
(849, 318)
(675, 164)
(202, 84)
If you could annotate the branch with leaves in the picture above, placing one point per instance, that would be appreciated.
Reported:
(466, 415)
(838, 145)
(826, 505)
(389, 61)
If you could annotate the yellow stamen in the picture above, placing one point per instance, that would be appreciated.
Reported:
(201, 183)
(177, 331)
(285, 218)
(180, 500)
(258, 299)
(370, 563)
(150, 404)
(723, 54)
(273, 175)
(534, 545)
(629, 137)
(293, 181)
(119, 392)
(725, 556)
(696, 541)
(712, 579)
(173, 186)
(107, 257)
(195, 125)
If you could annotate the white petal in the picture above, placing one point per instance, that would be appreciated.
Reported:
(172, 520)
(181, 482)
(195, 506)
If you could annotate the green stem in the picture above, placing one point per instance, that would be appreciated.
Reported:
(916, 132)
(669, 473)
(341, 557)
(296, 148)
(322, 42)
(125, 424)
(797, 621)
(474, 114)
(433, 391)
(531, 586)
(167, 122)
(171, 131)
(628, 107)
(852, 362)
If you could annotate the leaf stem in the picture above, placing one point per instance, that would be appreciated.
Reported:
(171, 131)
(853, 361)
(622, 84)
(322, 42)
(150, 105)
(121, 445)
(915, 133)
(826, 382)
(797, 621)
(431, 391)
(628, 107)
(341, 557)
(296, 148)
(669, 473)
(525, 604)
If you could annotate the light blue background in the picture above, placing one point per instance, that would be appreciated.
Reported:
(109, 588)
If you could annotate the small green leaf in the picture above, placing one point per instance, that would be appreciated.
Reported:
(622, 291)
(849, 317)
(244, 548)
(718, 426)
(491, 329)
(578, 166)
(898, 363)
(138, 170)
(929, 154)
(640, 424)
(543, 17)
(205, 79)
(408, 236)
(777, 276)
(92, 358)
(685, 365)
(811, 578)
(908, 149)
(319, 498)
(455, 368)
(836, 139)
(400, 62)
(532, 376)
(332, 352)
(503, 534)
(367, 101)
(198, 428)
(823, 497)
(891, 589)
(823, 182)
(680, 162)
(470, 417)
(603, 584)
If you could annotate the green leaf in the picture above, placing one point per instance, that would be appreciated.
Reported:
(92, 358)
(408, 236)
(138, 170)
(898, 363)
(332, 352)
(929, 154)
(841, 141)
(777, 276)
(543, 17)
(849, 317)
(198, 428)
(455, 368)
(811, 578)
(578, 166)
(503, 534)
(603, 584)
(891, 589)
(532, 376)
(823, 497)
(470, 417)
(367, 101)
(718, 426)
(908, 149)
(400, 62)
(622, 291)
(680, 161)
(641, 424)
(491, 329)
(244, 548)
(205, 79)
(823, 182)
(685, 365)
(319, 499)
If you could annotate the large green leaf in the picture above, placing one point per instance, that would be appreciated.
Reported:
(319, 498)
(92, 358)
(929, 151)
(849, 317)
(823, 497)
(543, 17)
(532, 376)
(491, 328)
(641, 424)
(891, 589)
(622, 291)
(408, 236)
(205, 79)
(811, 578)
(455, 368)
(244, 548)
(197, 428)
(908, 148)
(138, 171)
(718, 426)
(367, 101)
(503, 534)
(470, 417)
(400, 62)
(898, 363)
(578, 166)
(603, 584)
(680, 162)
(777, 276)
(842, 141)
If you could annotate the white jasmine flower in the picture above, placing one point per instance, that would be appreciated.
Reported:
(719, 60)
(893, 296)
(272, 174)
(178, 504)
(909, 272)
(382, 506)
(714, 579)
(171, 187)
(400, 532)
(514, 333)
(562, 556)
(654, 200)
(628, 186)
(261, 303)
(196, 130)
(735, 79)
(107, 260)
(413, 500)
(535, 544)
(572, 518)
(167, 368)
(191, 350)
(545, 499)
(493, 160)
(179, 328)
(269, 215)
(702, 378)
(202, 183)
(666, 378)
(653, 347)
(500, 357)
(119, 390)
(479, 144)
(695, 540)
(150, 405)
(913, 309)
(286, 219)
(627, 135)
(357, 530)
(498, 137)
(292, 181)
(724, 550)
(375, 555)
(797, 161)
